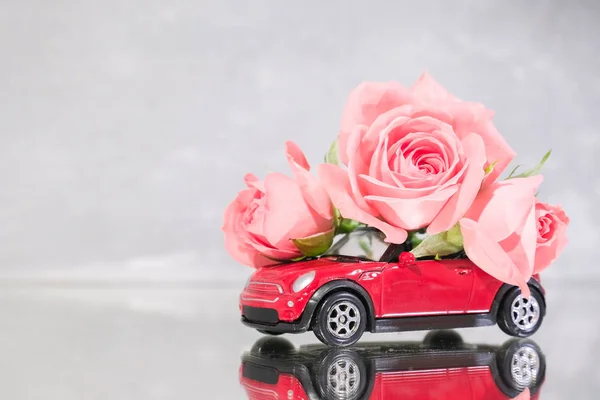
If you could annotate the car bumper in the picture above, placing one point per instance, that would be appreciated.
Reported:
(278, 327)
(272, 308)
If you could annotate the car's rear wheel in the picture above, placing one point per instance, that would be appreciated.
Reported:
(521, 317)
(340, 320)
(522, 365)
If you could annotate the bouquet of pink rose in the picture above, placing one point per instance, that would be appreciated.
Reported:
(416, 164)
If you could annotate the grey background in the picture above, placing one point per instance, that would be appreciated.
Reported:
(126, 127)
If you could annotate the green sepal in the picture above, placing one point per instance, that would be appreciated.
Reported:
(346, 225)
(315, 245)
(442, 244)
(332, 155)
(490, 168)
(533, 171)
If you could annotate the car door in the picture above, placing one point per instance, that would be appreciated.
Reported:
(426, 288)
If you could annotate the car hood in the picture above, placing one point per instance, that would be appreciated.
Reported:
(284, 272)
(277, 272)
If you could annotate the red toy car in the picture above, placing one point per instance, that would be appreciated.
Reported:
(436, 369)
(341, 297)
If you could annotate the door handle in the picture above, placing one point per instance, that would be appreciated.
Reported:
(463, 271)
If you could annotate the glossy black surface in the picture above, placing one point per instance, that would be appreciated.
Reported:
(414, 368)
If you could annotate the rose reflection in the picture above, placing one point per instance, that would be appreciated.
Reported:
(440, 367)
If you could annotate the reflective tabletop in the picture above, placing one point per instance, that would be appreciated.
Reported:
(187, 342)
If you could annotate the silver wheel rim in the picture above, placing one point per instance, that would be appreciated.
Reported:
(525, 367)
(343, 378)
(343, 319)
(525, 312)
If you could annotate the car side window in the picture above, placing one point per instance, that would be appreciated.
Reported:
(392, 254)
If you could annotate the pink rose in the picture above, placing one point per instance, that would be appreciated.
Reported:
(261, 222)
(552, 225)
(499, 230)
(415, 158)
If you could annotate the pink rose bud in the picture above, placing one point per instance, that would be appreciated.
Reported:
(552, 225)
(265, 219)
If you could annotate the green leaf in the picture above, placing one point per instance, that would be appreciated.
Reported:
(442, 244)
(533, 171)
(332, 155)
(315, 245)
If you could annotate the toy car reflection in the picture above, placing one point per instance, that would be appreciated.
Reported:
(340, 297)
(408, 371)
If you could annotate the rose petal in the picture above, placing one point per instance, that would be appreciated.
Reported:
(497, 149)
(490, 208)
(356, 165)
(411, 214)
(337, 184)
(276, 254)
(374, 187)
(366, 103)
(458, 205)
(252, 182)
(235, 239)
(288, 216)
(548, 252)
(427, 89)
(487, 254)
(312, 191)
(520, 246)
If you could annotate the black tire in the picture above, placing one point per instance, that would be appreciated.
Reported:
(341, 374)
(271, 345)
(443, 339)
(529, 310)
(521, 364)
(345, 332)
(271, 333)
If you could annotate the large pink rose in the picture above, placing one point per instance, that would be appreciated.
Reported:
(415, 158)
(552, 225)
(500, 233)
(261, 222)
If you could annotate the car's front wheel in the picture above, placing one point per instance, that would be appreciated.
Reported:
(340, 320)
(519, 316)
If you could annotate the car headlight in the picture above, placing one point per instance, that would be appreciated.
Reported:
(303, 281)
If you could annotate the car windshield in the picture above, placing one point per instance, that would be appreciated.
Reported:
(346, 258)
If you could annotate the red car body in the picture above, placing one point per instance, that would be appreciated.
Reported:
(407, 294)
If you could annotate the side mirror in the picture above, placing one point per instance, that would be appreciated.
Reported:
(406, 258)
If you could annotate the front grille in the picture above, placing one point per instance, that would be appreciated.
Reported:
(264, 288)
(258, 314)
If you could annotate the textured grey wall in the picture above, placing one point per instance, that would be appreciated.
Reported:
(126, 125)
